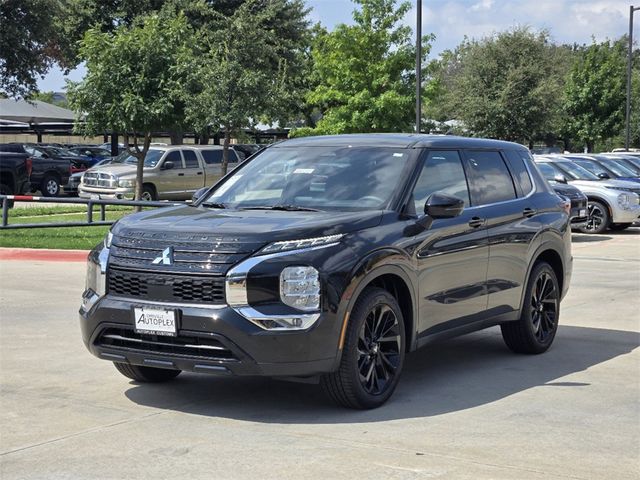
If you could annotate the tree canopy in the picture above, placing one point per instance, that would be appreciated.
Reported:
(365, 72)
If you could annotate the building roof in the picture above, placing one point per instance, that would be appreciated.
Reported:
(33, 112)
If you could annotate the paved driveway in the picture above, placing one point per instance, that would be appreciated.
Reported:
(465, 409)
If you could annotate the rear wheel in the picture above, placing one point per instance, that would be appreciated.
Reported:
(536, 329)
(50, 186)
(146, 374)
(617, 227)
(373, 353)
(599, 218)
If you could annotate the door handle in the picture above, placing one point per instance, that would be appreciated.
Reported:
(529, 212)
(181, 174)
(199, 173)
(476, 222)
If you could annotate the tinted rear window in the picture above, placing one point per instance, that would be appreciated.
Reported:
(212, 157)
(489, 178)
(517, 162)
(190, 159)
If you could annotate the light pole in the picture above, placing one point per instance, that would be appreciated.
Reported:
(419, 67)
(627, 140)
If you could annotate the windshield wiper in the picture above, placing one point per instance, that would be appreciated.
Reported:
(213, 205)
(283, 207)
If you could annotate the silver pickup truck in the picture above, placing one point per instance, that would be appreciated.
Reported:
(170, 173)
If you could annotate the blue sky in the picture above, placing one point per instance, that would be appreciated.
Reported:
(568, 20)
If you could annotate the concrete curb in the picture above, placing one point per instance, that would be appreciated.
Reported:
(43, 254)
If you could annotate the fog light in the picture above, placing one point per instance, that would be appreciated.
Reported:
(300, 288)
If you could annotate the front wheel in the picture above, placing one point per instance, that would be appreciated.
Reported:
(148, 194)
(536, 329)
(146, 374)
(373, 353)
(599, 218)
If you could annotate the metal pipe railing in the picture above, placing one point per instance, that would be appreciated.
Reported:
(90, 203)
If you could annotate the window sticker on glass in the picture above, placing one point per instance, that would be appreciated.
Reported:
(398, 154)
(304, 170)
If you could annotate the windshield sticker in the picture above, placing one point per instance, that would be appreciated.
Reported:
(304, 170)
(398, 154)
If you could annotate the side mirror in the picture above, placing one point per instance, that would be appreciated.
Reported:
(560, 179)
(168, 165)
(198, 194)
(440, 205)
(603, 176)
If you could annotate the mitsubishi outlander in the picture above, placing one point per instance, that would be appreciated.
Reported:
(331, 258)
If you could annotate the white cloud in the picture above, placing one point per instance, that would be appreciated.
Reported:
(482, 5)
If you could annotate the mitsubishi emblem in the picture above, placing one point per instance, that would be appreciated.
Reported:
(166, 258)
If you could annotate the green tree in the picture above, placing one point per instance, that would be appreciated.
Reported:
(595, 92)
(365, 72)
(29, 44)
(506, 86)
(132, 82)
(245, 65)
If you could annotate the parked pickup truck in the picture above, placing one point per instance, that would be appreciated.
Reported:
(15, 170)
(170, 173)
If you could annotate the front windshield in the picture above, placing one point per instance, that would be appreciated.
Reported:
(575, 172)
(323, 178)
(593, 167)
(151, 160)
(620, 169)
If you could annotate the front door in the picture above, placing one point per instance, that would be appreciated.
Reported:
(452, 255)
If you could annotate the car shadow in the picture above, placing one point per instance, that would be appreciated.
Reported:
(588, 238)
(456, 375)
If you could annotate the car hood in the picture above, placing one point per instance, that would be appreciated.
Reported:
(260, 226)
(117, 169)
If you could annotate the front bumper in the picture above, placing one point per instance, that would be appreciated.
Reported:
(621, 215)
(239, 346)
(105, 193)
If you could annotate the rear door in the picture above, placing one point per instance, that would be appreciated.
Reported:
(193, 178)
(512, 222)
(452, 255)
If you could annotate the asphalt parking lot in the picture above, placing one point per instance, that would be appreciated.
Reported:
(465, 409)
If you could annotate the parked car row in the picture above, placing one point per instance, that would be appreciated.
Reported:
(611, 183)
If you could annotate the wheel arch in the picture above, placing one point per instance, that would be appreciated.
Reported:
(383, 269)
(153, 187)
(549, 253)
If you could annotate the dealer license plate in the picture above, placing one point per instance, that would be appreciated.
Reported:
(155, 321)
(583, 212)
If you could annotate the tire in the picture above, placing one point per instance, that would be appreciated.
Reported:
(599, 218)
(618, 227)
(50, 186)
(6, 190)
(369, 369)
(534, 332)
(148, 194)
(146, 374)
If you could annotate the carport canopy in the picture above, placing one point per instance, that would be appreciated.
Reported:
(33, 112)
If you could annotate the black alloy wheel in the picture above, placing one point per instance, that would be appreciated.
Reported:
(544, 307)
(372, 354)
(379, 346)
(598, 218)
(535, 330)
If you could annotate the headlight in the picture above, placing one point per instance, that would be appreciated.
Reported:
(126, 183)
(626, 200)
(300, 288)
(107, 239)
(300, 244)
(95, 287)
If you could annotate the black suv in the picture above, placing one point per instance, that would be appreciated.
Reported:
(331, 258)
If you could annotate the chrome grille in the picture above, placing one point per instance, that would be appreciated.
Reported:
(99, 179)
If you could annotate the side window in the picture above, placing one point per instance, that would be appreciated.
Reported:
(517, 162)
(442, 172)
(489, 178)
(190, 159)
(548, 172)
(212, 157)
(174, 157)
